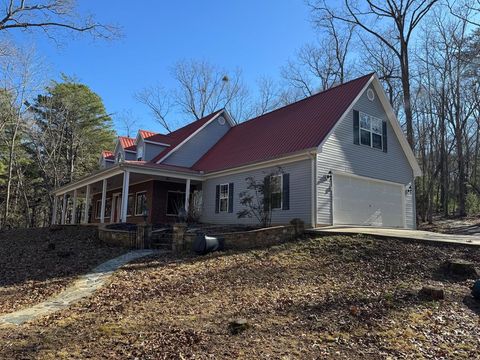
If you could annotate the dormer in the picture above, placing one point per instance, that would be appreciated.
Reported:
(107, 159)
(125, 149)
(149, 144)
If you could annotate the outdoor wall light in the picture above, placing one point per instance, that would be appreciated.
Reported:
(409, 188)
(329, 175)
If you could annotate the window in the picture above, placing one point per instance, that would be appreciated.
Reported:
(140, 153)
(131, 205)
(108, 207)
(276, 191)
(371, 130)
(223, 200)
(140, 203)
(119, 157)
(175, 202)
(98, 209)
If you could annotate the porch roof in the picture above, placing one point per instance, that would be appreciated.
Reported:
(139, 167)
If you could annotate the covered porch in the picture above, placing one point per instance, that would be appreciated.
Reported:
(129, 193)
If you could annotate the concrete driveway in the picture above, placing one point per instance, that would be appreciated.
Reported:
(472, 240)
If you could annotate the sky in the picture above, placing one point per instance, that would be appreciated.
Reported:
(257, 36)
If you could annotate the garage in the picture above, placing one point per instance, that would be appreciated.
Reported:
(369, 202)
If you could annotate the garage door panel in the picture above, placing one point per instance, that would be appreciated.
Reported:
(359, 201)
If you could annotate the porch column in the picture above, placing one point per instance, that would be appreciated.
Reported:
(126, 183)
(187, 196)
(74, 207)
(54, 215)
(87, 205)
(104, 197)
(64, 209)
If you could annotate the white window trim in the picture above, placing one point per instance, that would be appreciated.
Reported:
(220, 198)
(166, 207)
(281, 192)
(140, 150)
(136, 195)
(360, 128)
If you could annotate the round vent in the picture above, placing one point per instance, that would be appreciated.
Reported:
(221, 120)
(370, 95)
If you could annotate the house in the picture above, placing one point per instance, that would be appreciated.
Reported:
(342, 153)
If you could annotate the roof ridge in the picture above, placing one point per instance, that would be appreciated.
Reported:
(193, 122)
(277, 133)
(307, 98)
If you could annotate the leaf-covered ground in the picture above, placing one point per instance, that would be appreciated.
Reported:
(332, 297)
(38, 263)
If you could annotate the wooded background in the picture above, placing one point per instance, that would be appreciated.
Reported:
(426, 54)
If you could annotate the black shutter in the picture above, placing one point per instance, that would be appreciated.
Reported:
(356, 127)
(384, 135)
(286, 192)
(217, 199)
(230, 198)
(266, 193)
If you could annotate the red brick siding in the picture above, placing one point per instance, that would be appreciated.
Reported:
(156, 201)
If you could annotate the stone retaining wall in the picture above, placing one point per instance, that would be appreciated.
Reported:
(116, 237)
(244, 240)
(182, 240)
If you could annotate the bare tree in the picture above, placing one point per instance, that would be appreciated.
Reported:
(50, 14)
(321, 65)
(19, 76)
(268, 97)
(467, 10)
(158, 100)
(204, 88)
(127, 122)
(376, 18)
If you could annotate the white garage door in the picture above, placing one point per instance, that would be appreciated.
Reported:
(361, 201)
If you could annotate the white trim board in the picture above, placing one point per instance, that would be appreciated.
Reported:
(390, 116)
(191, 136)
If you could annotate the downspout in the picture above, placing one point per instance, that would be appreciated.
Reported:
(313, 219)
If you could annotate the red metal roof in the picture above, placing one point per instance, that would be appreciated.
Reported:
(298, 126)
(177, 136)
(127, 143)
(155, 137)
(106, 154)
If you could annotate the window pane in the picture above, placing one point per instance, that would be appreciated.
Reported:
(377, 126)
(377, 141)
(365, 137)
(224, 204)
(276, 184)
(364, 121)
(141, 204)
(224, 191)
(108, 207)
(276, 200)
(130, 205)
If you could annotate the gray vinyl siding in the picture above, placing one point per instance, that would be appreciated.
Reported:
(130, 155)
(190, 152)
(341, 154)
(152, 150)
(300, 195)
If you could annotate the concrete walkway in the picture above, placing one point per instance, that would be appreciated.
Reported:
(472, 240)
(81, 288)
